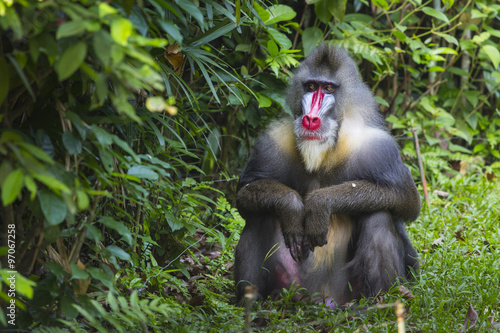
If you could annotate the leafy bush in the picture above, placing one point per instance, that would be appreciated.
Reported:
(123, 123)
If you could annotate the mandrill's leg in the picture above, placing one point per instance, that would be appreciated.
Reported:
(379, 254)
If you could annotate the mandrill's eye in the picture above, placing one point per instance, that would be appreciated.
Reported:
(311, 86)
(329, 89)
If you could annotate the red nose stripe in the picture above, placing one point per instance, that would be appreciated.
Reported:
(317, 100)
(311, 121)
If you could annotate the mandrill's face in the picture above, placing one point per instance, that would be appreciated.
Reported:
(313, 124)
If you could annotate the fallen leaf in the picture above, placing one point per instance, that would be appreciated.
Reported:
(174, 57)
(403, 291)
(494, 324)
(470, 319)
(441, 194)
(438, 241)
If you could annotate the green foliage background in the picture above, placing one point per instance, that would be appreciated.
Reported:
(124, 123)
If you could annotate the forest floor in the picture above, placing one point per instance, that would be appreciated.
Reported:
(456, 290)
(457, 237)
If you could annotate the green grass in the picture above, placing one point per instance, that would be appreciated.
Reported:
(458, 239)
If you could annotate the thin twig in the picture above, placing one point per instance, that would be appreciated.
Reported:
(421, 166)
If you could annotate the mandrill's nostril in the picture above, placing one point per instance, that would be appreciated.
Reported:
(311, 123)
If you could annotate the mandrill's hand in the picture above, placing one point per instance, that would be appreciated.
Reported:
(316, 219)
(290, 210)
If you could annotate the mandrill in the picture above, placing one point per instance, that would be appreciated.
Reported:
(328, 190)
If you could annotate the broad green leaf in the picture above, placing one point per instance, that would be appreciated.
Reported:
(128, 177)
(322, 11)
(493, 54)
(120, 227)
(142, 172)
(436, 14)
(448, 3)
(71, 59)
(280, 38)
(311, 38)
(400, 27)
(124, 107)
(72, 143)
(51, 182)
(77, 272)
(263, 14)
(435, 69)
(448, 38)
(72, 28)
(124, 145)
(171, 29)
(381, 101)
(100, 275)
(118, 252)
(443, 50)
(264, 101)
(93, 233)
(121, 30)
(105, 9)
(472, 120)
(273, 48)
(381, 4)
(82, 200)
(67, 307)
(278, 13)
(173, 222)
(399, 35)
(139, 21)
(478, 14)
(453, 147)
(104, 138)
(12, 187)
(238, 98)
(53, 206)
(37, 152)
(106, 159)
(110, 222)
(337, 8)
(481, 38)
(479, 147)
(102, 41)
(472, 96)
(30, 184)
(189, 7)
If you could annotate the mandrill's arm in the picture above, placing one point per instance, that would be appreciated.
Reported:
(380, 182)
(267, 196)
(356, 197)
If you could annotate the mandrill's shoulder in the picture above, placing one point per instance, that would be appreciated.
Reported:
(282, 135)
(274, 154)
